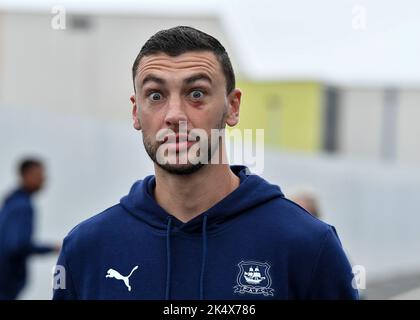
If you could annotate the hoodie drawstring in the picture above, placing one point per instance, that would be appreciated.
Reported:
(204, 257)
(168, 258)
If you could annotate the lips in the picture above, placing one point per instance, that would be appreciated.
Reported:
(181, 142)
(178, 138)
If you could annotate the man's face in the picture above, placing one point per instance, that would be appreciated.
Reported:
(34, 178)
(189, 88)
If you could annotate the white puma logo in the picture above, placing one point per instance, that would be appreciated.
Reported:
(111, 273)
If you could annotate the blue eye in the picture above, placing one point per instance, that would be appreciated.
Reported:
(155, 96)
(196, 94)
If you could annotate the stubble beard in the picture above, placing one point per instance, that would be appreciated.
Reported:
(188, 168)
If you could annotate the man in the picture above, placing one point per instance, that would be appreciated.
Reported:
(198, 230)
(16, 223)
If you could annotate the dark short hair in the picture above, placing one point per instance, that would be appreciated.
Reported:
(178, 40)
(28, 163)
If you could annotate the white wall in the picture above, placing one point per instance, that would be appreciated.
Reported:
(408, 128)
(366, 130)
(360, 122)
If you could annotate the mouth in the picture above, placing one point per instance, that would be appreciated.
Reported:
(180, 143)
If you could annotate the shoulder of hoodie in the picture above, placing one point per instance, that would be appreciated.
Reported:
(100, 225)
(285, 218)
(17, 202)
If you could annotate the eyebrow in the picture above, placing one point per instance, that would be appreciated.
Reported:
(152, 78)
(189, 80)
(196, 77)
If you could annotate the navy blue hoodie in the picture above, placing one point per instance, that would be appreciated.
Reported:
(16, 226)
(253, 244)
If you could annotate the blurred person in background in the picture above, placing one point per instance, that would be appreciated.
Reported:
(308, 200)
(16, 227)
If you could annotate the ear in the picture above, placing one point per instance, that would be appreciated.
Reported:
(135, 113)
(234, 102)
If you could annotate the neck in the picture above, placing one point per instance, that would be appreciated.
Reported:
(27, 189)
(187, 196)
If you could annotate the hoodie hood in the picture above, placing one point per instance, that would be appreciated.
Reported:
(253, 191)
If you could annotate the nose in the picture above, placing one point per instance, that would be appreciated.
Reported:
(175, 112)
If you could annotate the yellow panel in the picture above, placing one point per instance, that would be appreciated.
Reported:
(289, 112)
